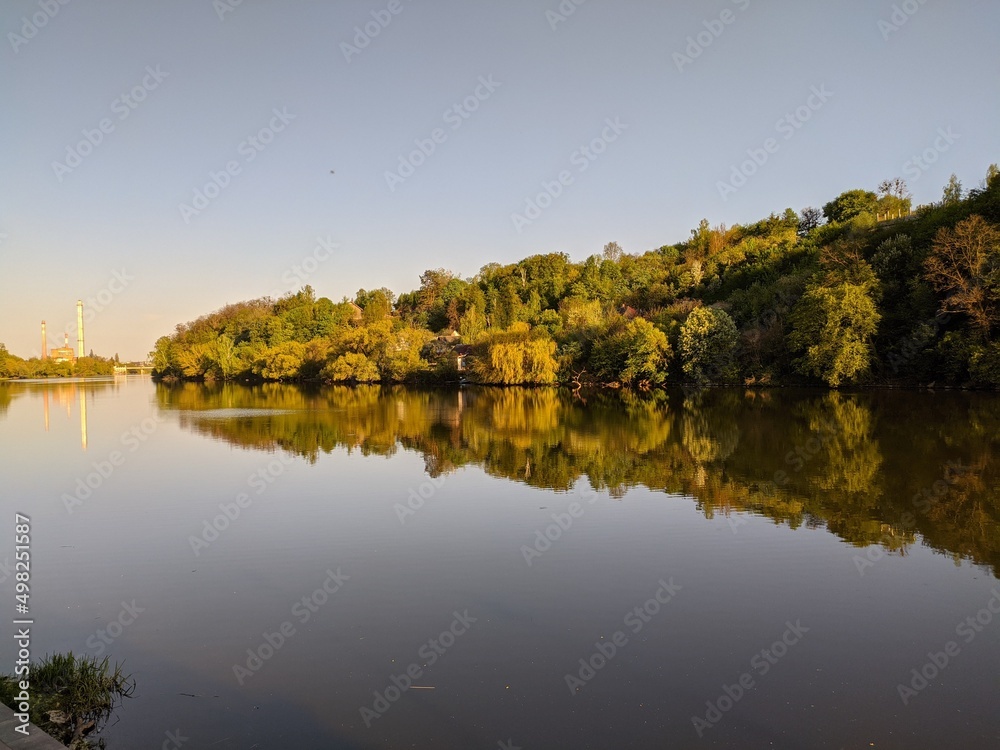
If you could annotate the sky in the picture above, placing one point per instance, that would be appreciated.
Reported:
(160, 160)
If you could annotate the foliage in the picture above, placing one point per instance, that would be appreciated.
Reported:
(515, 357)
(72, 696)
(12, 366)
(964, 264)
(877, 291)
(848, 205)
(634, 353)
(351, 367)
(952, 191)
(832, 327)
(281, 362)
(707, 346)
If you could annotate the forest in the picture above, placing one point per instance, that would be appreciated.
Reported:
(864, 291)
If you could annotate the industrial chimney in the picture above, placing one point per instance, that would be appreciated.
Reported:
(45, 351)
(79, 328)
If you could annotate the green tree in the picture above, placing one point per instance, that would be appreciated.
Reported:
(832, 328)
(162, 358)
(351, 367)
(633, 353)
(992, 175)
(850, 204)
(952, 191)
(375, 305)
(5, 365)
(281, 362)
(707, 346)
(225, 357)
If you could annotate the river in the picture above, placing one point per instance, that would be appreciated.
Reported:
(287, 567)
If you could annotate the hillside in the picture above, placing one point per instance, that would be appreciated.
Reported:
(864, 292)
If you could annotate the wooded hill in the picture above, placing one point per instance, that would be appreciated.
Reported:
(839, 296)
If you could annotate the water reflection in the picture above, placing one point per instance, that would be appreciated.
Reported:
(884, 468)
(65, 394)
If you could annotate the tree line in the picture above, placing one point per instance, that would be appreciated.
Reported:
(12, 366)
(863, 291)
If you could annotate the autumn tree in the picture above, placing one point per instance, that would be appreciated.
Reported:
(964, 265)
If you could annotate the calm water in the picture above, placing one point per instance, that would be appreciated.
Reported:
(772, 564)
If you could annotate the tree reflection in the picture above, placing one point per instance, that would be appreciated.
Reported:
(857, 464)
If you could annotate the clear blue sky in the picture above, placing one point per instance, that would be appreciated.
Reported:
(69, 229)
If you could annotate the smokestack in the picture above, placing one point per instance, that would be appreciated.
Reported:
(45, 351)
(79, 328)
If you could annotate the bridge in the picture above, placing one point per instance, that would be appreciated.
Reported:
(134, 368)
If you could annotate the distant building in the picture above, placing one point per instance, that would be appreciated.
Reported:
(356, 313)
(63, 353)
